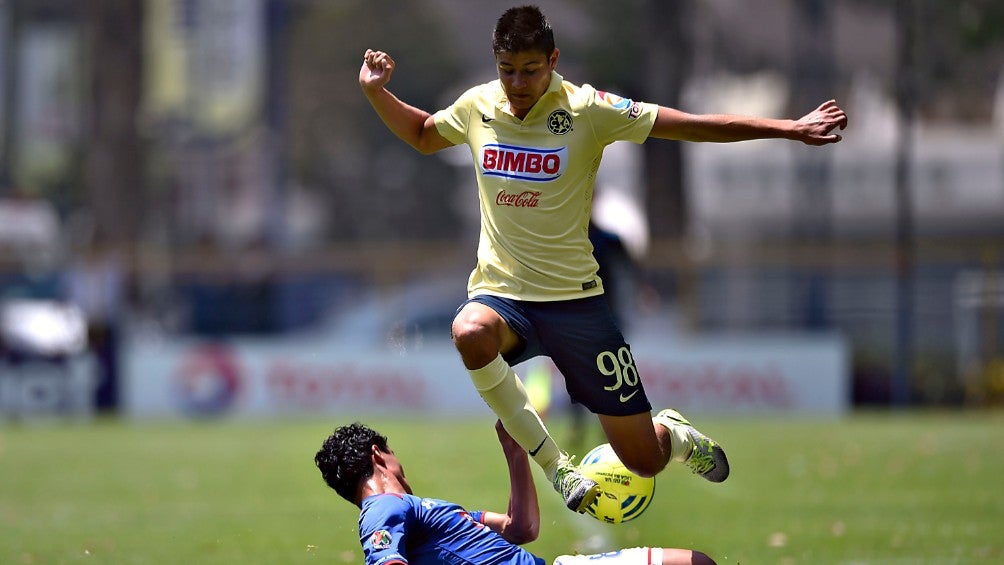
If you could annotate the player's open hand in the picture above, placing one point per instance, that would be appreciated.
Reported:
(816, 127)
(509, 445)
(376, 70)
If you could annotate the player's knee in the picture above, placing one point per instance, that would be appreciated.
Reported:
(474, 340)
(467, 332)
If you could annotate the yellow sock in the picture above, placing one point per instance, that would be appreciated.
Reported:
(504, 393)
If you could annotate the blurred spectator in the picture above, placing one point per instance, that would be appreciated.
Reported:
(94, 281)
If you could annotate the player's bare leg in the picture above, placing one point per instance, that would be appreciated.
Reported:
(480, 336)
(646, 444)
(643, 447)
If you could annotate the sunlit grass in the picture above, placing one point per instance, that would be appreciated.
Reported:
(872, 488)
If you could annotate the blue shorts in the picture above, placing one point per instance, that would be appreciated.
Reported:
(582, 339)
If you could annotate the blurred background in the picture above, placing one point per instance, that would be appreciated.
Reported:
(201, 215)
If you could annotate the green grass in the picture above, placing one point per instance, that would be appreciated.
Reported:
(871, 488)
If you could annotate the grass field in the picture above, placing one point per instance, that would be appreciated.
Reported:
(871, 488)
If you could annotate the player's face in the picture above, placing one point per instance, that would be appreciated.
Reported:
(525, 77)
(394, 468)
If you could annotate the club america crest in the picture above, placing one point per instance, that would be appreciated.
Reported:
(559, 122)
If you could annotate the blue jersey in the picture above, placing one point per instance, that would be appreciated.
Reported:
(404, 528)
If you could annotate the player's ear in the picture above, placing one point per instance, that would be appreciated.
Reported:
(376, 456)
(553, 59)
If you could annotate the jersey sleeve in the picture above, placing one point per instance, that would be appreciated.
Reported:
(477, 515)
(382, 531)
(614, 118)
(452, 121)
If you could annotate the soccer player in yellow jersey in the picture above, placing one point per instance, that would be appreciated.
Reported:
(536, 141)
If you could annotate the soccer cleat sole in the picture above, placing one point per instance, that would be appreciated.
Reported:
(589, 496)
(720, 471)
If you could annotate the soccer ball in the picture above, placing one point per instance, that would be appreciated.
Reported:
(625, 495)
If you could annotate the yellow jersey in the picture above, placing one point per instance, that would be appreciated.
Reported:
(535, 180)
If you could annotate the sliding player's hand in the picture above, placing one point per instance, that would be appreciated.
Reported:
(509, 445)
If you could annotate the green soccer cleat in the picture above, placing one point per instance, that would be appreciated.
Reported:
(707, 458)
(579, 491)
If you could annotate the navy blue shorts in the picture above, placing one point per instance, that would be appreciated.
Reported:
(582, 339)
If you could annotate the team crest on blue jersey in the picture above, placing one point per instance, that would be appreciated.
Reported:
(559, 122)
(381, 539)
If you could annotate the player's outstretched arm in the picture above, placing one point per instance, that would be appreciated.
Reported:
(521, 522)
(814, 128)
(413, 125)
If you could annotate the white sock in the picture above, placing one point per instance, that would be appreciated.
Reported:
(504, 393)
(681, 444)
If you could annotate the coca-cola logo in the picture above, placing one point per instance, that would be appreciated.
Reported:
(525, 199)
(523, 163)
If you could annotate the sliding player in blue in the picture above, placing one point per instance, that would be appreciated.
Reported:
(397, 527)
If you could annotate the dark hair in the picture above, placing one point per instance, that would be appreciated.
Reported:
(523, 29)
(344, 458)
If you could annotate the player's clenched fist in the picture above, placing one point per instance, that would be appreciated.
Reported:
(376, 70)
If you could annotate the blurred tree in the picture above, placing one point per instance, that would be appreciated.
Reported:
(41, 136)
(980, 23)
(9, 35)
(906, 89)
(378, 188)
(959, 58)
(644, 50)
(813, 71)
(113, 154)
(670, 53)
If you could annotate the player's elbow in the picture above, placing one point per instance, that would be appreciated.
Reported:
(422, 145)
(429, 140)
(521, 533)
(419, 143)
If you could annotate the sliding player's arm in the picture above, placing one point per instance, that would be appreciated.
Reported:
(521, 522)
(413, 125)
